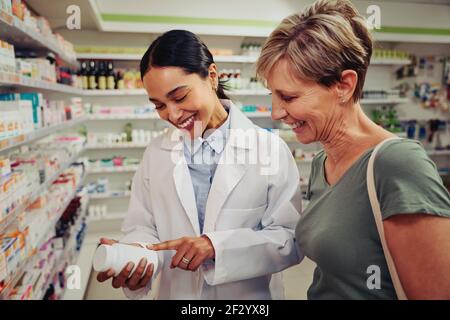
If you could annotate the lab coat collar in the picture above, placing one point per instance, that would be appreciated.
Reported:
(226, 176)
(216, 139)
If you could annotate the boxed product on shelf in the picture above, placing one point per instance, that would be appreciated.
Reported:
(17, 187)
(388, 54)
(16, 117)
(19, 117)
(255, 108)
(234, 80)
(12, 252)
(99, 110)
(36, 68)
(7, 57)
(251, 49)
(221, 52)
(6, 6)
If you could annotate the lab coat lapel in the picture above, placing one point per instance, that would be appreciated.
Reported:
(227, 176)
(185, 191)
(181, 176)
(225, 179)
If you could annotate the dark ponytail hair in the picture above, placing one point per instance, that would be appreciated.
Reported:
(183, 49)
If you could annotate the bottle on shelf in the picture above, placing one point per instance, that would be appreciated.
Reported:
(120, 81)
(101, 76)
(84, 75)
(92, 75)
(110, 78)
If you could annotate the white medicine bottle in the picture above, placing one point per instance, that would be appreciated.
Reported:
(118, 255)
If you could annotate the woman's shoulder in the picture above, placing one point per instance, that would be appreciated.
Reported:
(402, 154)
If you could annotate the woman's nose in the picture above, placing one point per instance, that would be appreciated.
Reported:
(175, 113)
(278, 112)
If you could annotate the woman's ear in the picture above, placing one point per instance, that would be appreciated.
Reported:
(213, 76)
(346, 86)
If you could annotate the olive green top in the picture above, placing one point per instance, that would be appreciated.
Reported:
(338, 232)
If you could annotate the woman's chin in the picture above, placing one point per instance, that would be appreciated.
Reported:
(304, 138)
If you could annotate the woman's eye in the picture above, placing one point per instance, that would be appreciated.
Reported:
(181, 99)
(287, 99)
(159, 106)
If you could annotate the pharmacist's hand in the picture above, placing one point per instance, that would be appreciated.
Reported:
(137, 280)
(194, 249)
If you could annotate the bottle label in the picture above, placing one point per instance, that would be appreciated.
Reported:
(102, 83)
(92, 82)
(84, 82)
(111, 84)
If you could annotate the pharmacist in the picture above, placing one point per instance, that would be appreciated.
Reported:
(216, 196)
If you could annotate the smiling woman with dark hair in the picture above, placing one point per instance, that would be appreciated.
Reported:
(229, 222)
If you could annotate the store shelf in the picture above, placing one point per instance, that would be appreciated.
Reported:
(106, 117)
(110, 195)
(109, 56)
(118, 92)
(439, 153)
(13, 215)
(217, 58)
(385, 101)
(117, 146)
(390, 62)
(30, 261)
(15, 80)
(262, 114)
(63, 256)
(248, 92)
(21, 36)
(109, 216)
(22, 139)
(236, 59)
(138, 57)
(113, 169)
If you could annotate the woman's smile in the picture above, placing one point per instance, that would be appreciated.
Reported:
(187, 123)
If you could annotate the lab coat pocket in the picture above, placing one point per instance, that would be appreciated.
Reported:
(240, 218)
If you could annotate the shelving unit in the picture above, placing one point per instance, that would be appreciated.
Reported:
(62, 258)
(13, 216)
(117, 92)
(17, 81)
(112, 169)
(30, 261)
(439, 153)
(110, 195)
(10, 143)
(128, 145)
(224, 59)
(108, 117)
(21, 36)
(109, 216)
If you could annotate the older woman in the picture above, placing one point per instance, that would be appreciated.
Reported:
(315, 64)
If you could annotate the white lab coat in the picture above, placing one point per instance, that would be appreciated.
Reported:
(250, 216)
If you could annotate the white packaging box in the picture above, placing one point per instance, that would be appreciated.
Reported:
(26, 111)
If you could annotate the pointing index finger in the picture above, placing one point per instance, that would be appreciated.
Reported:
(166, 245)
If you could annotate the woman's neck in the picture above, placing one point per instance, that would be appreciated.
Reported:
(218, 117)
(349, 135)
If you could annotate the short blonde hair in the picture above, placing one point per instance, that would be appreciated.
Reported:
(319, 43)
